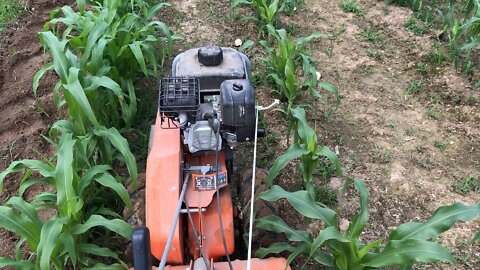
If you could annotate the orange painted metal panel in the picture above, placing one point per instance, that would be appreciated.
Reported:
(257, 264)
(162, 192)
(203, 198)
(207, 225)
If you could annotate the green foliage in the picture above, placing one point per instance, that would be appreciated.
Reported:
(351, 6)
(466, 185)
(267, 11)
(307, 150)
(63, 239)
(9, 10)
(285, 59)
(415, 86)
(409, 243)
(100, 55)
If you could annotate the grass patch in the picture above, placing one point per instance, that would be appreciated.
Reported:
(351, 6)
(372, 34)
(9, 10)
(466, 185)
(414, 86)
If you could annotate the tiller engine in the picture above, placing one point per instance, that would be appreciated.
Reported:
(205, 109)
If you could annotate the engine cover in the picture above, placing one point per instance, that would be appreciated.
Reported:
(201, 137)
(237, 99)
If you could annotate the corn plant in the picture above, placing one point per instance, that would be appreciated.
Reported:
(63, 239)
(307, 150)
(411, 242)
(285, 59)
(100, 55)
(267, 11)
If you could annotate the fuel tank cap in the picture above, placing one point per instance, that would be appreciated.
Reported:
(210, 55)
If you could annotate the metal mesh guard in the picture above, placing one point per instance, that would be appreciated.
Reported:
(178, 95)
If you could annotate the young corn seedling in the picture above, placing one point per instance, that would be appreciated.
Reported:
(267, 11)
(307, 150)
(411, 242)
(100, 55)
(285, 59)
(63, 239)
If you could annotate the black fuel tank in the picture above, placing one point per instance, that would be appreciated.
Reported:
(237, 101)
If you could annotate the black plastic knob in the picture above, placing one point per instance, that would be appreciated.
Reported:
(210, 55)
(237, 86)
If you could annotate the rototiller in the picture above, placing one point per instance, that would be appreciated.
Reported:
(205, 109)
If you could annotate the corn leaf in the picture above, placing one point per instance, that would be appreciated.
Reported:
(48, 241)
(70, 246)
(275, 248)
(109, 181)
(137, 52)
(301, 248)
(304, 131)
(96, 250)
(406, 252)
(443, 219)
(74, 88)
(303, 203)
(121, 144)
(56, 49)
(102, 266)
(330, 233)
(20, 225)
(39, 75)
(358, 222)
(115, 225)
(36, 165)
(64, 174)
(89, 175)
(278, 225)
(20, 264)
(293, 152)
(26, 209)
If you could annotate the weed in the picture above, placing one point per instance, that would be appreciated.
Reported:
(425, 164)
(392, 125)
(377, 55)
(351, 6)
(471, 100)
(384, 156)
(372, 34)
(440, 145)
(469, 184)
(420, 148)
(433, 113)
(421, 68)
(437, 55)
(9, 10)
(416, 26)
(327, 197)
(332, 37)
(414, 86)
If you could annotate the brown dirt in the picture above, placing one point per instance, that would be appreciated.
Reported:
(384, 136)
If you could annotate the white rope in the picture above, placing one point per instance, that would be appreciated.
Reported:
(252, 200)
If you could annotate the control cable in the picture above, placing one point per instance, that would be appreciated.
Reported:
(218, 199)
